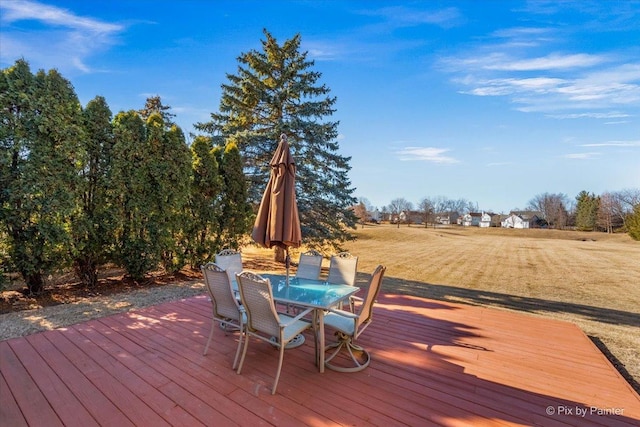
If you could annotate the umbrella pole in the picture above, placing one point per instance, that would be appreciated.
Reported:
(287, 262)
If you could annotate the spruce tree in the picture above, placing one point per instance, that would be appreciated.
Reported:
(276, 91)
(633, 223)
(154, 104)
(586, 211)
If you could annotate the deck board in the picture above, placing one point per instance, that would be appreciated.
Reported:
(434, 363)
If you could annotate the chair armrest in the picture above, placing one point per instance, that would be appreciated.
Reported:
(344, 313)
(298, 317)
(352, 302)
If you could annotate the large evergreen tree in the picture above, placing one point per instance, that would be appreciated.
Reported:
(136, 251)
(276, 91)
(92, 223)
(151, 168)
(172, 167)
(17, 116)
(43, 118)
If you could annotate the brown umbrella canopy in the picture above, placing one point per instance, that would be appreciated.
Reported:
(277, 223)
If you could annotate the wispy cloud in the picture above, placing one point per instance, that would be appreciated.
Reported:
(20, 10)
(617, 86)
(582, 156)
(593, 154)
(538, 71)
(552, 61)
(61, 40)
(402, 16)
(335, 49)
(614, 144)
(426, 154)
(495, 164)
(376, 41)
(608, 115)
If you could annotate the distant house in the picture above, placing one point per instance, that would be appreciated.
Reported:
(524, 219)
(514, 221)
(471, 219)
(411, 217)
(446, 218)
(485, 220)
(533, 219)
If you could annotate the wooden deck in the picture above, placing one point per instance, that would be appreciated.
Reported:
(434, 363)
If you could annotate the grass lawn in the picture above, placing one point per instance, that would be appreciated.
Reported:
(590, 279)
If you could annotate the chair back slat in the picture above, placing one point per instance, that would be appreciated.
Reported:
(225, 305)
(342, 269)
(366, 308)
(310, 265)
(230, 261)
(257, 299)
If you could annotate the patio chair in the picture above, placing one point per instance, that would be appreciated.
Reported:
(225, 307)
(349, 326)
(343, 268)
(309, 265)
(230, 261)
(263, 321)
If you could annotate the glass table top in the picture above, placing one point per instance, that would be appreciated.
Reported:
(309, 292)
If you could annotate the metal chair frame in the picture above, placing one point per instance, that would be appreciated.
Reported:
(264, 322)
(225, 307)
(350, 325)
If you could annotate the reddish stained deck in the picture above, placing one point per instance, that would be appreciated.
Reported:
(434, 363)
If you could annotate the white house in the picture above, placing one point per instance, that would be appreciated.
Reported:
(446, 218)
(471, 219)
(514, 221)
(485, 220)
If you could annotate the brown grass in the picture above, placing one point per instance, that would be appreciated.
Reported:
(590, 279)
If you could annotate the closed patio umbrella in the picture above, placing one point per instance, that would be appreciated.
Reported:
(278, 223)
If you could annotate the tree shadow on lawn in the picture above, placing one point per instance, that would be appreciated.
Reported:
(512, 302)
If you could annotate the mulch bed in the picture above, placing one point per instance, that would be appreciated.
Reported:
(67, 291)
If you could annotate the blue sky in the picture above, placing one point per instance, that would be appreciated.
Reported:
(491, 101)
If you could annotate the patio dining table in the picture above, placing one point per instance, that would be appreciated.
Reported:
(308, 293)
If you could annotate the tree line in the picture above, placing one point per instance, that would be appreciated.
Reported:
(608, 212)
(81, 187)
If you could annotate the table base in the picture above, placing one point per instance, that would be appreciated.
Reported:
(297, 341)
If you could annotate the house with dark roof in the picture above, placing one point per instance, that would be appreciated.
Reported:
(471, 219)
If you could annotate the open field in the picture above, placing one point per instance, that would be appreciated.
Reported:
(590, 279)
